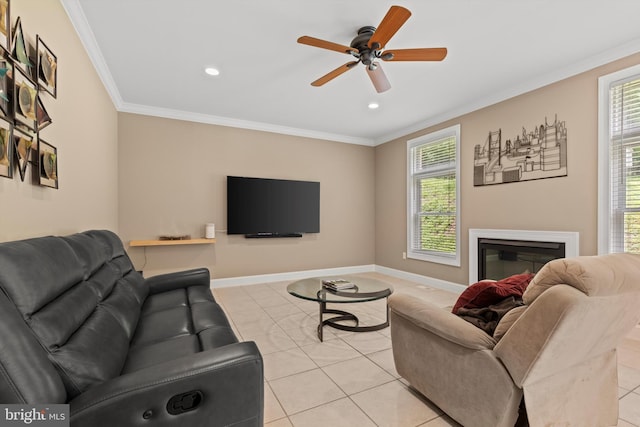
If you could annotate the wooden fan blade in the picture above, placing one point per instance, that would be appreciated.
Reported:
(379, 79)
(323, 44)
(335, 73)
(392, 21)
(426, 54)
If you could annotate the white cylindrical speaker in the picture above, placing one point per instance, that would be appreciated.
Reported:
(210, 231)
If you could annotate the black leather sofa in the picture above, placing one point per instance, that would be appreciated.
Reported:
(79, 325)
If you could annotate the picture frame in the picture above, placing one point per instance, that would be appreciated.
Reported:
(20, 48)
(25, 94)
(5, 24)
(6, 148)
(6, 73)
(42, 117)
(47, 68)
(22, 148)
(47, 164)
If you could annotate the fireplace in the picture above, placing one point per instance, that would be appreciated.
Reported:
(496, 254)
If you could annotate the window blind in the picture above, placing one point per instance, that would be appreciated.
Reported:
(624, 143)
(435, 155)
(434, 207)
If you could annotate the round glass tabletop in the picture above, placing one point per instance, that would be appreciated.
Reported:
(366, 289)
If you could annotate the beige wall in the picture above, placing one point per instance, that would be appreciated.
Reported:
(558, 204)
(173, 181)
(84, 130)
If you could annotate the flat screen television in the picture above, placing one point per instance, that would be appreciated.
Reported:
(262, 207)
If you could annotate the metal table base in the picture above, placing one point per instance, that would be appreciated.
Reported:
(346, 316)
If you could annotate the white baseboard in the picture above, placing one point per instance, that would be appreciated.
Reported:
(295, 275)
(292, 275)
(423, 280)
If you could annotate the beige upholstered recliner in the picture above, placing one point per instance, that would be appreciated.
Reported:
(559, 351)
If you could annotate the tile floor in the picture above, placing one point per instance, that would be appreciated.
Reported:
(350, 379)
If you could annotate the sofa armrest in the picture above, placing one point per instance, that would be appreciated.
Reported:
(178, 280)
(440, 322)
(229, 378)
(562, 329)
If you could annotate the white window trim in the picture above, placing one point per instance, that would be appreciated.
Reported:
(604, 154)
(440, 259)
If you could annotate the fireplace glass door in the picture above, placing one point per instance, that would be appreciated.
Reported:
(498, 258)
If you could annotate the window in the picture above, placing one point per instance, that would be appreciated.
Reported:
(433, 199)
(619, 162)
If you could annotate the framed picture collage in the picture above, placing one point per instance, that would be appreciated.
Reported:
(28, 81)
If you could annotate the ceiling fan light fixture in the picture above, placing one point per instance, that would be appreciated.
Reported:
(373, 105)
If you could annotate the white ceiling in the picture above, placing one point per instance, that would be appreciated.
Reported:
(151, 55)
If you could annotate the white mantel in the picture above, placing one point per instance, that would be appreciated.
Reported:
(571, 240)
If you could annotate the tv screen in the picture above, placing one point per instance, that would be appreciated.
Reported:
(261, 207)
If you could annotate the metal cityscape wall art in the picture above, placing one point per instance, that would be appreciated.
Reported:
(28, 80)
(537, 154)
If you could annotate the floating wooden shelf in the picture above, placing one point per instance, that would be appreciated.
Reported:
(171, 242)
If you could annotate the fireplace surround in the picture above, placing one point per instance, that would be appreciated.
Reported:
(521, 249)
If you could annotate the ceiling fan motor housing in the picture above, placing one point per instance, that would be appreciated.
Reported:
(361, 42)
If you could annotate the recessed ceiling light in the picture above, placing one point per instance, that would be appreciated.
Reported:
(212, 71)
(373, 105)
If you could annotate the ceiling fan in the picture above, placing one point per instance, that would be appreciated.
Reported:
(368, 47)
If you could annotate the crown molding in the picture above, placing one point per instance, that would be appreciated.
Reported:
(237, 123)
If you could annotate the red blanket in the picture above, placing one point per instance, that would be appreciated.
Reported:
(483, 304)
(486, 293)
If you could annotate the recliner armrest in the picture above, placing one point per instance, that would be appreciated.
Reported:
(564, 328)
(440, 322)
(230, 380)
(178, 280)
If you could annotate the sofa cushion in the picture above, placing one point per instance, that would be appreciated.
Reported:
(109, 241)
(176, 323)
(93, 354)
(123, 304)
(163, 325)
(92, 256)
(61, 318)
(34, 272)
(207, 315)
(165, 301)
(143, 356)
(486, 293)
(178, 297)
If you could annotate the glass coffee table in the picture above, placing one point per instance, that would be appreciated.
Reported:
(365, 290)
